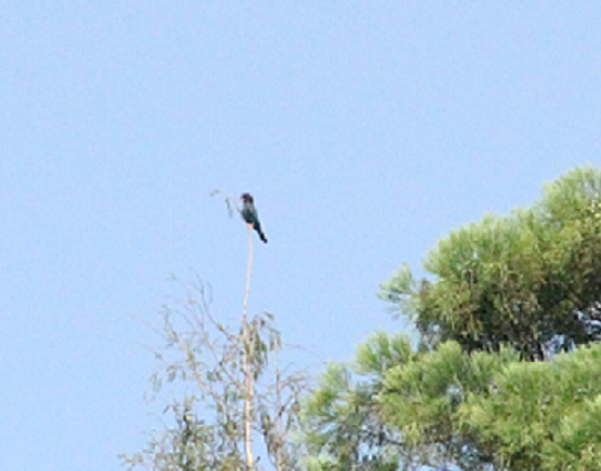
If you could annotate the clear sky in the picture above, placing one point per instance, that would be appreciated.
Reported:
(366, 130)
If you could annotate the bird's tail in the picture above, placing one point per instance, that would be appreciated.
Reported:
(257, 227)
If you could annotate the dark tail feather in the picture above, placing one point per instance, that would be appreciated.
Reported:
(259, 231)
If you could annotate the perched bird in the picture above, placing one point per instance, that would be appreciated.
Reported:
(250, 215)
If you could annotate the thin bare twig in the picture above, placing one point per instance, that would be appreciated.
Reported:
(229, 200)
(248, 373)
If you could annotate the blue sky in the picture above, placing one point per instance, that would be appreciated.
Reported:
(365, 131)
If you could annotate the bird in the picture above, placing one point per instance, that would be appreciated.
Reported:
(250, 215)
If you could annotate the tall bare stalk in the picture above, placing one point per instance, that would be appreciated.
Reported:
(247, 364)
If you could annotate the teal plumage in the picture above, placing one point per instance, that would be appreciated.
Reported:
(250, 215)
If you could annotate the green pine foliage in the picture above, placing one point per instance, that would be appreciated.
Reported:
(542, 415)
(341, 418)
(448, 408)
(507, 373)
(531, 280)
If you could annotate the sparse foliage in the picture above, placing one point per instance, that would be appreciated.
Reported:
(234, 393)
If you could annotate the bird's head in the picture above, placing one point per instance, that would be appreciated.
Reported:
(247, 198)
